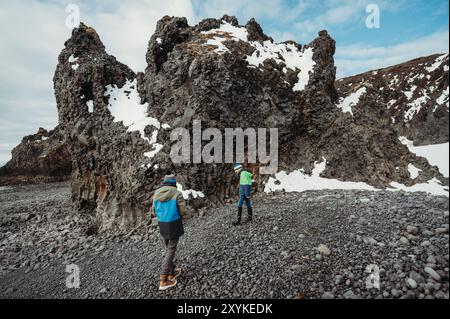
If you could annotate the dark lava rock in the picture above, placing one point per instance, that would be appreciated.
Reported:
(41, 157)
(413, 94)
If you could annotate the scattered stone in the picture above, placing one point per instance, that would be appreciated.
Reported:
(349, 294)
(233, 257)
(323, 249)
(370, 241)
(431, 260)
(338, 279)
(428, 233)
(425, 243)
(327, 295)
(411, 283)
(439, 231)
(395, 293)
(296, 267)
(404, 240)
(433, 273)
(413, 230)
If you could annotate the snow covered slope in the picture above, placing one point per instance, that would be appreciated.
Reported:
(415, 93)
(299, 181)
(436, 154)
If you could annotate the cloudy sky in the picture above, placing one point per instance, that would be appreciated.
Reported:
(33, 32)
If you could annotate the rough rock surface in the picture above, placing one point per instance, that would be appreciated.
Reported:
(404, 234)
(41, 157)
(227, 76)
(103, 153)
(414, 94)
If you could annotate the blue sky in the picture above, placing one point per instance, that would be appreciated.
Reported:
(401, 20)
(33, 33)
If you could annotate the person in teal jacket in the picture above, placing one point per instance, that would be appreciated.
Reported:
(245, 190)
(169, 207)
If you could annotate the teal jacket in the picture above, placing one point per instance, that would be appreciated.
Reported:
(169, 207)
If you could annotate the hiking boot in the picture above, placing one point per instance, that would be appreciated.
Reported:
(177, 272)
(249, 215)
(238, 221)
(165, 283)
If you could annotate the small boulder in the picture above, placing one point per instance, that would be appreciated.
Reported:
(323, 249)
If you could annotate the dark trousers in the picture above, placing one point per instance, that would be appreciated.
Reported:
(168, 267)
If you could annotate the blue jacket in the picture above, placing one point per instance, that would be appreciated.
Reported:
(170, 209)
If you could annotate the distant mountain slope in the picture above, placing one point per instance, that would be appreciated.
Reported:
(415, 94)
(41, 157)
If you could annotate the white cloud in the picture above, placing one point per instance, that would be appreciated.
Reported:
(339, 13)
(280, 36)
(354, 59)
(332, 16)
(274, 10)
(126, 31)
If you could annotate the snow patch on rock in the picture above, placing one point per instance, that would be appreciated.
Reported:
(90, 105)
(437, 154)
(72, 60)
(413, 171)
(299, 181)
(443, 99)
(226, 31)
(409, 94)
(190, 192)
(415, 106)
(433, 186)
(125, 106)
(346, 104)
(437, 63)
(287, 53)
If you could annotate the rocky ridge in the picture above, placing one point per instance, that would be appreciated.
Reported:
(414, 94)
(41, 157)
(117, 123)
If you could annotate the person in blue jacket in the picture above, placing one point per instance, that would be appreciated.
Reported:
(169, 207)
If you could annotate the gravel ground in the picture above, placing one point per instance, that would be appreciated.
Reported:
(315, 244)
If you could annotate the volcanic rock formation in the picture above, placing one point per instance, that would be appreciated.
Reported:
(117, 123)
(41, 157)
